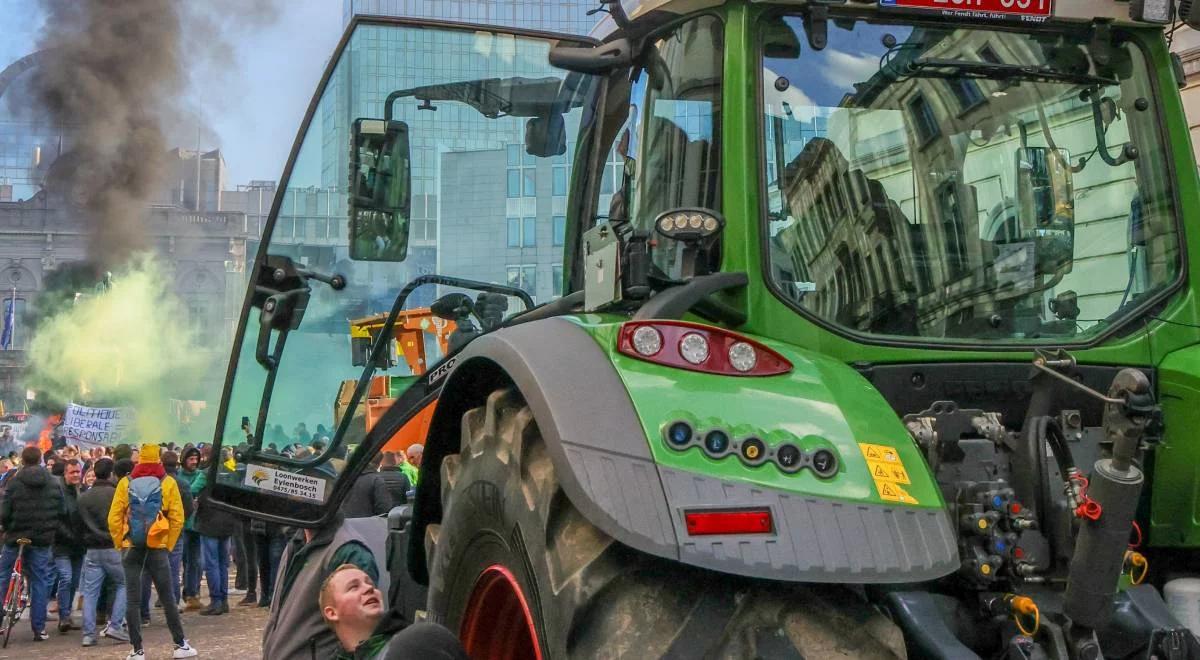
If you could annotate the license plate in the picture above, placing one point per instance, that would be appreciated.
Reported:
(1019, 9)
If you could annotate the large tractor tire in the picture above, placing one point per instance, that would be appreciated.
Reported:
(519, 573)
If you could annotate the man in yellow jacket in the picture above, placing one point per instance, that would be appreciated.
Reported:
(145, 521)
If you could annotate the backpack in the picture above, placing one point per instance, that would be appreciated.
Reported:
(145, 509)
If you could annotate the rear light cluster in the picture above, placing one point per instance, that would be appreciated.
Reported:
(718, 444)
(699, 348)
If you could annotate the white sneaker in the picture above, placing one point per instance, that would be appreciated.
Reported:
(234, 591)
(185, 650)
(137, 654)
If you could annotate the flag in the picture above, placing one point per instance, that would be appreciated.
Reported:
(10, 324)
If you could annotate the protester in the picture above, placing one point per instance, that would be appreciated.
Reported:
(295, 627)
(216, 528)
(394, 478)
(354, 609)
(369, 495)
(32, 507)
(270, 541)
(193, 562)
(171, 466)
(412, 468)
(68, 547)
(89, 478)
(102, 560)
(246, 557)
(134, 523)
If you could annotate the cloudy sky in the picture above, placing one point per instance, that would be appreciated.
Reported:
(253, 107)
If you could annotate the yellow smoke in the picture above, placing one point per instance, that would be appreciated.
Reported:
(128, 346)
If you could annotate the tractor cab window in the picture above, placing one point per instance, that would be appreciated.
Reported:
(970, 185)
(668, 149)
(432, 153)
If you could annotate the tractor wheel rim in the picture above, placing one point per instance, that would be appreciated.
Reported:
(498, 624)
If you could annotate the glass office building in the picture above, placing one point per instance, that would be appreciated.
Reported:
(534, 210)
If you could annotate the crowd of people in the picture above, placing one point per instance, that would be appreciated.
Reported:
(89, 556)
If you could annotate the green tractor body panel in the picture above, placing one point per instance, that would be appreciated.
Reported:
(1175, 501)
(821, 404)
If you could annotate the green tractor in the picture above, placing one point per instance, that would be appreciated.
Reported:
(826, 328)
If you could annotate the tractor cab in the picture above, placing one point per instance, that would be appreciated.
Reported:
(779, 315)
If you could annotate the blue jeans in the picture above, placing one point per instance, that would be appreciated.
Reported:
(69, 569)
(39, 563)
(193, 563)
(174, 558)
(216, 567)
(98, 565)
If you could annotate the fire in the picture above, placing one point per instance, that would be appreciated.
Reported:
(46, 438)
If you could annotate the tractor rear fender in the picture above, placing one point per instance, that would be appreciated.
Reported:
(604, 461)
(591, 430)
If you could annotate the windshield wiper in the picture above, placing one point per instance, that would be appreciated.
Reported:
(938, 68)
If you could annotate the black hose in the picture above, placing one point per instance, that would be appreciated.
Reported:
(1052, 431)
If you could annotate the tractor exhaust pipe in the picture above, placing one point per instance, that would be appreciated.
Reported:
(1109, 507)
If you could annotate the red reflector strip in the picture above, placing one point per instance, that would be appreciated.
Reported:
(711, 523)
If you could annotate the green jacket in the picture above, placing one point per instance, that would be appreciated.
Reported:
(411, 472)
(187, 480)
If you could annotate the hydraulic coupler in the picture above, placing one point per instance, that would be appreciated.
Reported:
(1111, 501)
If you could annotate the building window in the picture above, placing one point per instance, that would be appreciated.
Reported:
(514, 183)
(556, 272)
(522, 232)
(560, 181)
(923, 119)
(522, 173)
(560, 230)
(514, 232)
(528, 232)
(988, 54)
(966, 91)
(524, 278)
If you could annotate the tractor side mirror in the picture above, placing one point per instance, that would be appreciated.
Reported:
(546, 137)
(1046, 206)
(380, 190)
(453, 307)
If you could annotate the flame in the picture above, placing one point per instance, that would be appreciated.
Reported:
(45, 439)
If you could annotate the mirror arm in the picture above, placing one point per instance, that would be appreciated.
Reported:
(1129, 151)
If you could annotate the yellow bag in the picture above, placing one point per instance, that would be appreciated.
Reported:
(159, 532)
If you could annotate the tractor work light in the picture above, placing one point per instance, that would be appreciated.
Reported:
(647, 341)
(694, 348)
(702, 348)
(689, 224)
(715, 523)
(742, 356)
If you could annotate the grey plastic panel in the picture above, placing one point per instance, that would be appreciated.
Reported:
(815, 540)
(590, 426)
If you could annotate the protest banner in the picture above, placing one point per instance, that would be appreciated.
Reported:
(84, 425)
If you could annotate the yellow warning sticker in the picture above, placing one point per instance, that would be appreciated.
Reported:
(892, 492)
(879, 453)
(888, 473)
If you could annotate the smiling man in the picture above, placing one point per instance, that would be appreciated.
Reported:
(356, 612)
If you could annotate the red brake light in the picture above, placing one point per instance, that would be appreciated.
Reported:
(678, 345)
(712, 523)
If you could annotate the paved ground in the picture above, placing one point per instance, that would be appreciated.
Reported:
(234, 635)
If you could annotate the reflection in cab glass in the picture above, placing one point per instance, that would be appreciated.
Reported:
(432, 152)
(972, 185)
